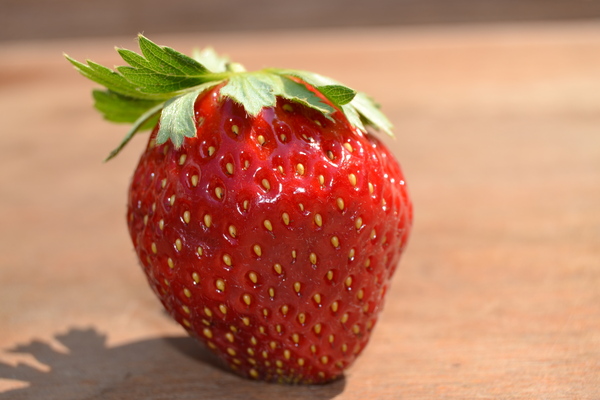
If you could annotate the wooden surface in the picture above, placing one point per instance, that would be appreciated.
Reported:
(497, 297)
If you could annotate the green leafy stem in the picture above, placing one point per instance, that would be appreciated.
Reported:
(163, 84)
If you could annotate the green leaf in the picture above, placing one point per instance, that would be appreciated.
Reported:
(162, 70)
(132, 58)
(118, 108)
(211, 59)
(255, 90)
(353, 116)
(311, 78)
(297, 92)
(149, 117)
(338, 94)
(149, 82)
(252, 90)
(177, 120)
(360, 109)
(167, 61)
(108, 78)
(370, 111)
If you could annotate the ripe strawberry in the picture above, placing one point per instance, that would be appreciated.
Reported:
(267, 219)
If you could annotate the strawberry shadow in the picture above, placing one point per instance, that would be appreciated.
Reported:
(167, 368)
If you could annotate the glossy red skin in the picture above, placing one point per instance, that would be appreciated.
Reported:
(259, 339)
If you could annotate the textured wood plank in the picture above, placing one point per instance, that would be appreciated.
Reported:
(498, 296)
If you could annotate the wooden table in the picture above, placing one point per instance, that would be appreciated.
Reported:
(497, 297)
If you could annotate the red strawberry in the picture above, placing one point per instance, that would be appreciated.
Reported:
(271, 222)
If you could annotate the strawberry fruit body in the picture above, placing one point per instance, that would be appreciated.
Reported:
(269, 231)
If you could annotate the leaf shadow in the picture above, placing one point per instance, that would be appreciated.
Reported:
(155, 369)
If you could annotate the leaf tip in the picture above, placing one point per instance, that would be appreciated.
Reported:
(143, 39)
(111, 156)
(70, 59)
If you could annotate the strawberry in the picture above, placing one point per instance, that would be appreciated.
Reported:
(267, 218)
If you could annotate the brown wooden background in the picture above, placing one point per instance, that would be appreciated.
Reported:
(42, 19)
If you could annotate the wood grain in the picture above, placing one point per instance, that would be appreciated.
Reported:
(497, 297)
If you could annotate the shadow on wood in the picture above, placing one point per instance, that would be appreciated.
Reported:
(161, 368)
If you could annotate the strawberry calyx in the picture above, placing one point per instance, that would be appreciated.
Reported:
(161, 84)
